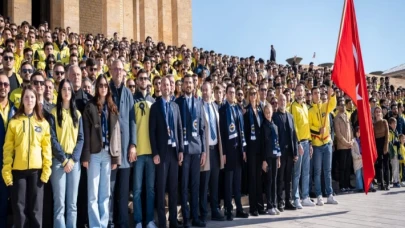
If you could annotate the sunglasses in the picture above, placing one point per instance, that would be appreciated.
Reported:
(137, 67)
(93, 69)
(59, 72)
(274, 103)
(8, 58)
(131, 86)
(82, 68)
(27, 71)
(88, 45)
(51, 62)
(240, 94)
(103, 85)
(4, 84)
(41, 83)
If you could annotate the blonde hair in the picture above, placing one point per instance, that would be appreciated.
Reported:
(248, 95)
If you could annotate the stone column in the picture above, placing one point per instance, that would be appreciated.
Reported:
(148, 12)
(112, 20)
(20, 10)
(165, 21)
(182, 23)
(69, 14)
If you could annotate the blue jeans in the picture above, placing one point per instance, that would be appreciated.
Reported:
(323, 159)
(65, 190)
(359, 179)
(98, 185)
(301, 171)
(144, 164)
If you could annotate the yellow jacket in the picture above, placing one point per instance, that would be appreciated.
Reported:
(318, 114)
(27, 146)
(301, 124)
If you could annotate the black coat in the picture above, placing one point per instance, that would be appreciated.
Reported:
(268, 145)
(158, 129)
(253, 146)
(233, 156)
(293, 134)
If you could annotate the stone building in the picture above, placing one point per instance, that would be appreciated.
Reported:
(163, 20)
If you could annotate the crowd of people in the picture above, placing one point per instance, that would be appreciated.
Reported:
(90, 123)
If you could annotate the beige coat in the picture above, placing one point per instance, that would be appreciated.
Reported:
(357, 161)
(343, 131)
(207, 164)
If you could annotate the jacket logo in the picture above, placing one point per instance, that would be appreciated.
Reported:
(38, 129)
(232, 127)
(195, 124)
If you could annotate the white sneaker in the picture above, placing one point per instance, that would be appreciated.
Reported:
(331, 200)
(307, 202)
(139, 225)
(402, 184)
(272, 211)
(277, 211)
(320, 201)
(297, 204)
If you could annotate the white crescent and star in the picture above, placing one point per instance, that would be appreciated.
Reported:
(358, 97)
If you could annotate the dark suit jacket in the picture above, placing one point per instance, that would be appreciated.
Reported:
(158, 129)
(268, 145)
(253, 146)
(196, 145)
(81, 99)
(293, 134)
(233, 156)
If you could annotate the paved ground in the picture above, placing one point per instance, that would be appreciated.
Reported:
(380, 209)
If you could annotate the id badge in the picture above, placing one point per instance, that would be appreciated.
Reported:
(194, 134)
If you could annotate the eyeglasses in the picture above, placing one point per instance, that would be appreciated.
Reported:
(131, 86)
(103, 85)
(52, 62)
(27, 71)
(263, 90)
(4, 84)
(240, 94)
(8, 58)
(59, 72)
(143, 78)
(82, 68)
(274, 103)
(136, 67)
(41, 83)
(93, 69)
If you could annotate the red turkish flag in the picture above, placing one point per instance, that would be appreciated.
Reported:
(348, 74)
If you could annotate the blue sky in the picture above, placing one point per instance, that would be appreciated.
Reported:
(300, 27)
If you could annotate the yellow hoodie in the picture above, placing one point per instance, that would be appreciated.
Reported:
(318, 114)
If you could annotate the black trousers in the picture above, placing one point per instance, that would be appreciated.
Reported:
(47, 217)
(284, 177)
(190, 177)
(167, 172)
(27, 195)
(119, 197)
(271, 183)
(383, 169)
(345, 167)
(254, 164)
(82, 211)
(233, 187)
(210, 177)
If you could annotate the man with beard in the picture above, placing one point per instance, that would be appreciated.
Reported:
(8, 66)
(289, 153)
(299, 110)
(58, 74)
(143, 158)
(91, 68)
(194, 150)
(7, 110)
(400, 120)
(26, 71)
(156, 87)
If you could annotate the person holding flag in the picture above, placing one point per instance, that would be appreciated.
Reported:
(348, 74)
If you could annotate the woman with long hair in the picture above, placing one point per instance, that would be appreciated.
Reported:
(177, 89)
(27, 160)
(50, 62)
(102, 150)
(67, 144)
(381, 134)
(253, 119)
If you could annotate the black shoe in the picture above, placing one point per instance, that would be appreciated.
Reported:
(217, 216)
(198, 223)
(262, 212)
(229, 216)
(175, 225)
(281, 205)
(242, 214)
(312, 195)
(254, 213)
(372, 190)
(289, 206)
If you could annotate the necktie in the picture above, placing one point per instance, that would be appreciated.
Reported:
(212, 123)
(189, 103)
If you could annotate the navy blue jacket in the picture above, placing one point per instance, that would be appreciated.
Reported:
(293, 134)
(196, 145)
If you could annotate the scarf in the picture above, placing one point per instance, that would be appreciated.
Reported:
(252, 122)
(274, 137)
(169, 121)
(193, 119)
(104, 127)
(231, 112)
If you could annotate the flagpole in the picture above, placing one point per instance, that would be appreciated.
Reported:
(337, 47)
